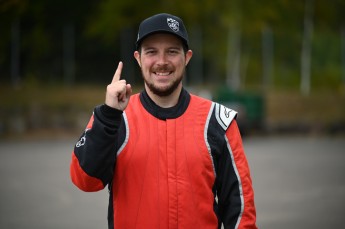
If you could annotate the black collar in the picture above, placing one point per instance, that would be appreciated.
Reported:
(166, 113)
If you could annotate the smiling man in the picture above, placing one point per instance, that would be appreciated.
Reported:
(169, 158)
(163, 60)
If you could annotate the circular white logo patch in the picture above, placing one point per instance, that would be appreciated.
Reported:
(173, 24)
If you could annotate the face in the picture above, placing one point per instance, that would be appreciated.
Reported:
(163, 62)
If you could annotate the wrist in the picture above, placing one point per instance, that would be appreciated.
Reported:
(110, 112)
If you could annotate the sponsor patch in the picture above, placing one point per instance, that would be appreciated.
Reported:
(82, 140)
(224, 115)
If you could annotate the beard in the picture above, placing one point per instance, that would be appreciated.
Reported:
(163, 91)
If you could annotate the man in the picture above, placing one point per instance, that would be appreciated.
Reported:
(170, 159)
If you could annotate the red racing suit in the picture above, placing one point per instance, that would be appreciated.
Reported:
(180, 167)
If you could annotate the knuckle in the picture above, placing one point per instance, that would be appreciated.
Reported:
(111, 87)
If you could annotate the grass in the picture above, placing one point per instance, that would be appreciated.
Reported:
(56, 109)
(322, 107)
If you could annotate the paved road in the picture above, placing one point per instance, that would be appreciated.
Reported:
(299, 183)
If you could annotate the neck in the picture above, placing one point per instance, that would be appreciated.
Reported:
(165, 101)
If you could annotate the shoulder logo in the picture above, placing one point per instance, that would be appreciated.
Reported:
(82, 140)
(173, 24)
(224, 115)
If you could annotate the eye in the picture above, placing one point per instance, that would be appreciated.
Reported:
(150, 51)
(173, 51)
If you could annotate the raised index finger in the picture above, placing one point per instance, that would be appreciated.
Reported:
(118, 72)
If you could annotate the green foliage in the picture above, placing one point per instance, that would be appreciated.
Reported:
(101, 27)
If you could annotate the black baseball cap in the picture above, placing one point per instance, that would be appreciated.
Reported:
(162, 23)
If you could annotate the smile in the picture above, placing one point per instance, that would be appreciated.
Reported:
(162, 73)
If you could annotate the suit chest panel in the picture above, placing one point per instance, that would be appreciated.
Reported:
(165, 168)
(158, 146)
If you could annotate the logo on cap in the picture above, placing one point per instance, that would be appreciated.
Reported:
(173, 24)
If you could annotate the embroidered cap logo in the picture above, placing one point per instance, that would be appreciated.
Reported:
(173, 24)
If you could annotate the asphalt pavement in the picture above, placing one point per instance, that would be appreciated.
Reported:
(299, 182)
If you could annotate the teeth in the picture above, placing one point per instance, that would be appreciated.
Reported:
(162, 73)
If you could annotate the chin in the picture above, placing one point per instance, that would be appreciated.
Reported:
(163, 91)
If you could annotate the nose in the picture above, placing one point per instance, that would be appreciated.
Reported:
(162, 59)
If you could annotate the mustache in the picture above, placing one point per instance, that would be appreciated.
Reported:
(163, 68)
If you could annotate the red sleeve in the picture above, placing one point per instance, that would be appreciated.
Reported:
(94, 155)
(81, 179)
(248, 215)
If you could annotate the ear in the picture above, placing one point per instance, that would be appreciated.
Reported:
(189, 55)
(137, 57)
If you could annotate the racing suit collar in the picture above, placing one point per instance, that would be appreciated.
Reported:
(166, 113)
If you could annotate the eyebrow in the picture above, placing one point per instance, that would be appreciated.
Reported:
(170, 47)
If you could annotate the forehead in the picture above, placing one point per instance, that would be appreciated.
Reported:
(161, 39)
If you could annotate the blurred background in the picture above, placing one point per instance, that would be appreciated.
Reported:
(281, 64)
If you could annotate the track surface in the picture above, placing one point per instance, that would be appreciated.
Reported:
(299, 182)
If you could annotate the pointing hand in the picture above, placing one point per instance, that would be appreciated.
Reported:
(118, 91)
